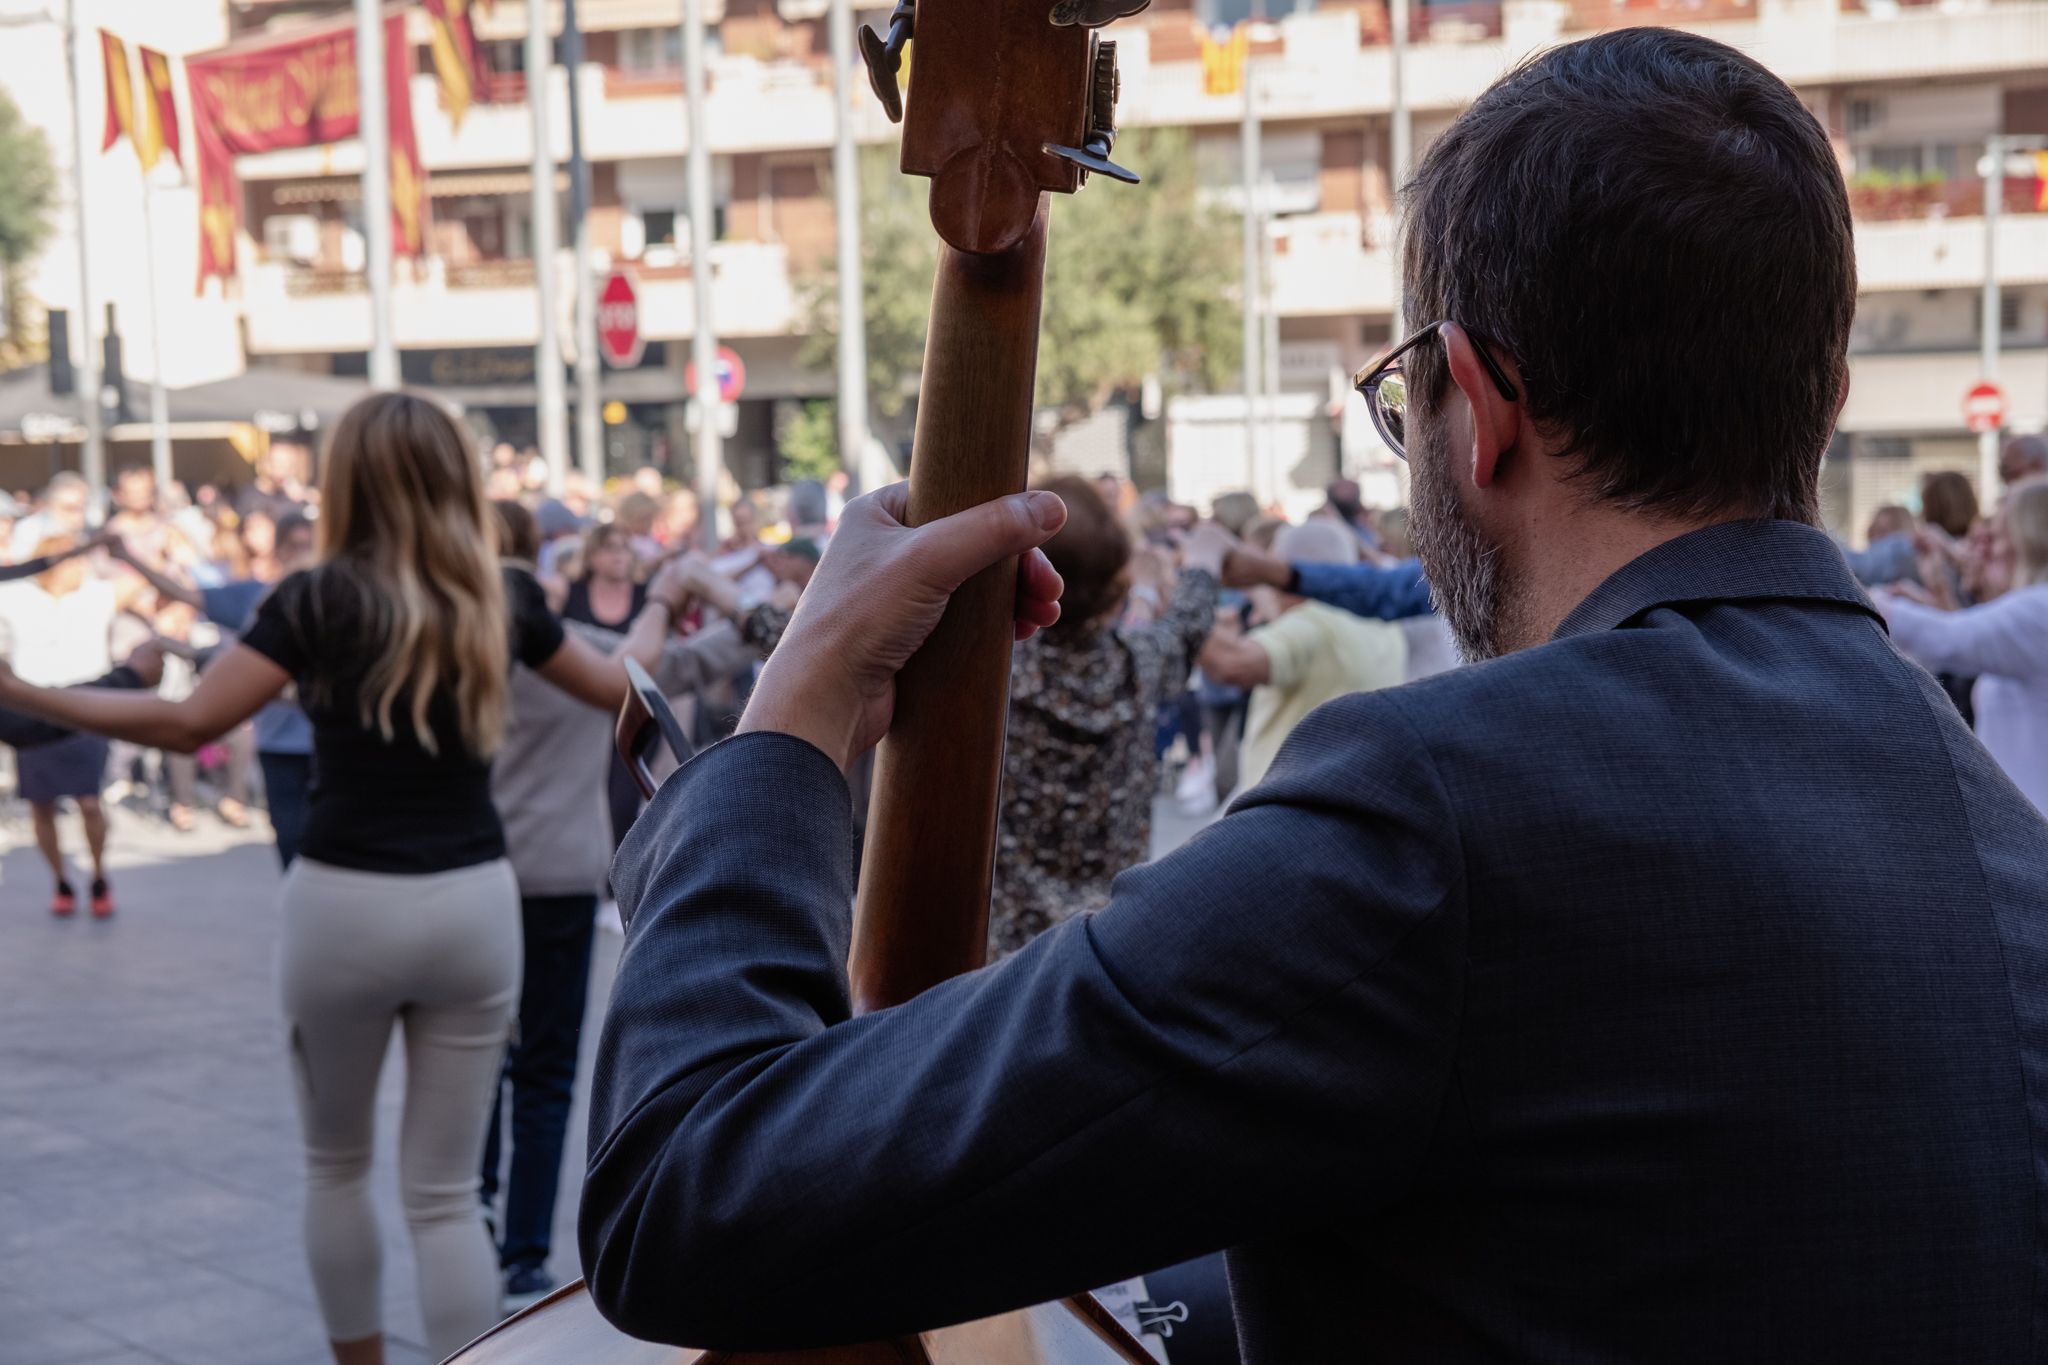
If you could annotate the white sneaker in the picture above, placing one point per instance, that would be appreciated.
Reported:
(1196, 794)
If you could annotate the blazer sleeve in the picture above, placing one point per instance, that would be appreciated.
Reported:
(1257, 1031)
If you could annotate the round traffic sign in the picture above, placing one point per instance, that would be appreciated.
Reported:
(618, 322)
(732, 376)
(1984, 407)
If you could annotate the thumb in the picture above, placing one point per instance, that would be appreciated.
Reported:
(949, 551)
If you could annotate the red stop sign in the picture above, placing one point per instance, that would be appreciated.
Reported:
(1984, 407)
(618, 322)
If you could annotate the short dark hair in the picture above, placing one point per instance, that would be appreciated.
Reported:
(1655, 230)
(1091, 550)
(1947, 500)
(292, 524)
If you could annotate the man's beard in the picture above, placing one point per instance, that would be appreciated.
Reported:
(1463, 566)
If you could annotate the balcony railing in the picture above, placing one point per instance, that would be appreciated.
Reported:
(1876, 199)
(294, 309)
(514, 273)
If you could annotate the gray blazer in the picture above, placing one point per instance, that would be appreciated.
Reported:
(1676, 991)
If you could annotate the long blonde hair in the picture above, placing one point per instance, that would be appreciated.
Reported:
(403, 522)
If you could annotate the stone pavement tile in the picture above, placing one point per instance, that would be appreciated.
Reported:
(96, 1279)
(28, 1078)
(228, 1324)
(33, 1335)
(200, 1215)
(273, 1260)
(23, 1136)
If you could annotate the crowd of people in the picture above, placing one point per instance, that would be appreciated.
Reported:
(422, 657)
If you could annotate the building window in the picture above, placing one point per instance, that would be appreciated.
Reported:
(1224, 13)
(1865, 115)
(658, 226)
(651, 51)
(2008, 313)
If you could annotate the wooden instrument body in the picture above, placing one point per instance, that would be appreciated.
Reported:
(996, 84)
(565, 1329)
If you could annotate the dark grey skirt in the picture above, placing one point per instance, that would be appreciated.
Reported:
(71, 767)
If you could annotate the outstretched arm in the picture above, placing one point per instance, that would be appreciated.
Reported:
(144, 668)
(1386, 593)
(162, 583)
(233, 689)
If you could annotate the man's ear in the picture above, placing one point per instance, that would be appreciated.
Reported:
(1495, 420)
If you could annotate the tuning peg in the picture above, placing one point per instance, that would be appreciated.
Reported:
(1093, 153)
(884, 59)
(1095, 157)
(1095, 13)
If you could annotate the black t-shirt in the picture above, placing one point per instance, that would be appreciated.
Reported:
(383, 805)
(578, 607)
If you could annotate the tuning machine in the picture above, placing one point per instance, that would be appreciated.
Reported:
(1095, 13)
(1103, 88)
(884, 56)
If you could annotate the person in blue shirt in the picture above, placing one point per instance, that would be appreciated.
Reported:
(284, 737)
(1389, 592)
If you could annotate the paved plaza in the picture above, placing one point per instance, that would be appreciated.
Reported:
(150, 1176)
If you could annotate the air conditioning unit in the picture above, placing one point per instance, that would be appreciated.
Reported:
(292, 237)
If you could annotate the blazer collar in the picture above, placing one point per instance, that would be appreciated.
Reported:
(1736, 561)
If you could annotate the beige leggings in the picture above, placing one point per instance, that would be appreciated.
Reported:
(438, 954)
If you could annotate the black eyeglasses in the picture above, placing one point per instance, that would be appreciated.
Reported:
(1385, 388)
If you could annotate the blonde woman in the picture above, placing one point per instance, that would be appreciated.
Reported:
(2002, 643)
(402, 909)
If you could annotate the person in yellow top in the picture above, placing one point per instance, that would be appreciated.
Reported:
(1308, 654)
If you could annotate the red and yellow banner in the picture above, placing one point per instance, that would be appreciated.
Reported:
(120, 91)
(152, 127)
(296, 92)
(159, 132)
(459, 59)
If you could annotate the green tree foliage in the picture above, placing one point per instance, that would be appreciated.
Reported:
(809, 441)
(1138, 283)
(898, 254)
(28, 199)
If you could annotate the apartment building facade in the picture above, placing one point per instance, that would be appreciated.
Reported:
(1909, 93)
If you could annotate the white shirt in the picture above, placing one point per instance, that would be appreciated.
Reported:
(2004, 643)
(57, 641)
